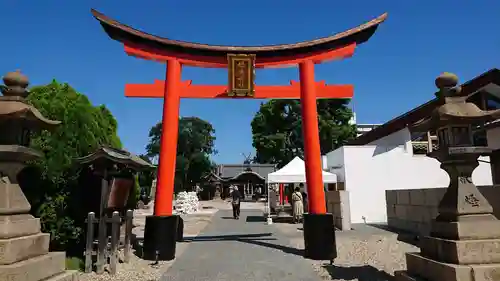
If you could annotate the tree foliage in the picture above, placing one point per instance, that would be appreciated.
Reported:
(146, 178)
(277, 129)
(194, 147)
(51, 183)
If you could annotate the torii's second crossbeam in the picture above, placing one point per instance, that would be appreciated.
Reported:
(188, 90)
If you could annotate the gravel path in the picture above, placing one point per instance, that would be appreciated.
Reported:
(365, 254)
(245, 249)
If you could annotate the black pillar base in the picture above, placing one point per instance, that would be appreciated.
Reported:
(160, 237)
(180, 230)
(319, 237)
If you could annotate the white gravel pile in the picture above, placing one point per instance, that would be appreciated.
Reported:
(187, 203)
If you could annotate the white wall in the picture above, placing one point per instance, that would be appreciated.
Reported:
(370, 170)
(388, 164)
(402, 137)
(324, 164)
(335, 163)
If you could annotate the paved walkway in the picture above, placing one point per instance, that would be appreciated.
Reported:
(245, 249)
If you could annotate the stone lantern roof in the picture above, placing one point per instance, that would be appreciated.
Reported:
(14, 106)
(454, 109)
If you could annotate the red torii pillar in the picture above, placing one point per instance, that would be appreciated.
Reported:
(159, 238)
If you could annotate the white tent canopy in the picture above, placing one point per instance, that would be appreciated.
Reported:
(295, 172)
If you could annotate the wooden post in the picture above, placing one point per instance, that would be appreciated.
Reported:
(128, 235)
(115, 239)
(90, 242)
(101, 247)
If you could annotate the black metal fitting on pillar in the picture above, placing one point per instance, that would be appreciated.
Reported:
(160, 237)
(180, 230)
(319, 237)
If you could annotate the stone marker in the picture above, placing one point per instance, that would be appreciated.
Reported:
(24, 250)
(464, 244)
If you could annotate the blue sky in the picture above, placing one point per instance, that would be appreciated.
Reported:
(391, 73)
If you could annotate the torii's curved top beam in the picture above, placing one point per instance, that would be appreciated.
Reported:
(147, 46)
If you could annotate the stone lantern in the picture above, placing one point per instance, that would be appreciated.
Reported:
(464, 243)
(24, 250)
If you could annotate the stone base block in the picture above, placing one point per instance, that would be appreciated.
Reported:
(12, 199)
(68, 275)
(466, 230)
(425, 268)
(21, 248)
(34, 269)
(18, 225)
(461, 252)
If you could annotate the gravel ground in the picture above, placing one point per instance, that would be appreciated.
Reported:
(366, 254)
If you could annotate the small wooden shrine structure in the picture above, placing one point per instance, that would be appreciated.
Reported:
(117, 167)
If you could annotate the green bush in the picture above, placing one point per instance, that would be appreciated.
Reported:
(51, 183)
(135, 194)
(75, 263)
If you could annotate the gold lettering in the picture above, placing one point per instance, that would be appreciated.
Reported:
(241, 73)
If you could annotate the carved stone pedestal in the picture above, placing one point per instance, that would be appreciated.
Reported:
(24, 250)
(474, 256)
(465, 238)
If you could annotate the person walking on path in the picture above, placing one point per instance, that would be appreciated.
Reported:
(236, 202)
(297, 205)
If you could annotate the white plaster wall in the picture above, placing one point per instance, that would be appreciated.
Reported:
(386, 164)
(324, 165)
(369, 171)
(335, 163)
(372, 169)
(402, 137)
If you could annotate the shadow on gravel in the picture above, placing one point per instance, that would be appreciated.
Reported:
(230, 237)
(248, 218)
(361, 273)
(255, 219)
(403, 236)
(254, 239)
(286, 249)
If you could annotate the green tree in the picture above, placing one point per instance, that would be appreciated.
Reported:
(146, 177)
(52, 181)
(194, 147)
(277, 129)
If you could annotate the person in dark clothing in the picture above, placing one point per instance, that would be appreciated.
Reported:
(236, 202)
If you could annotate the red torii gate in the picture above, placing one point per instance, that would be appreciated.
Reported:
(318, 226)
